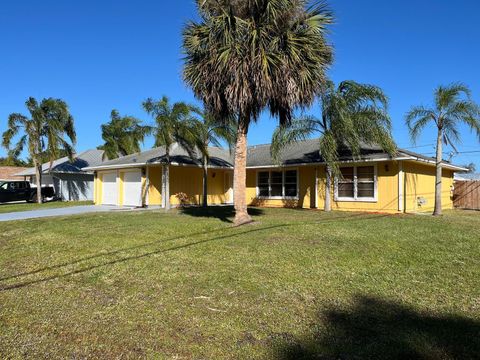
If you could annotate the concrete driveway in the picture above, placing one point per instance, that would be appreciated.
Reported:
(75, 210)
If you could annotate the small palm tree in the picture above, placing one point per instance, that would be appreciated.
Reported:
(46, 134)
(209, 131)
(246, 56)
(172, 125)
(352, 114)
(122, 136)
(453, 106)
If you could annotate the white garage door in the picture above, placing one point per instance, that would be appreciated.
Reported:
(132, 188)
(110, 189)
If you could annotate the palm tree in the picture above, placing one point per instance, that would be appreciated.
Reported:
(45, 133)
(209, 131)
(122, 136)
(453, 106)
(171, 126)
(472, 167)
(352, 114)
(246, 56)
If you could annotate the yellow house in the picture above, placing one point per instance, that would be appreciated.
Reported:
(373, 182)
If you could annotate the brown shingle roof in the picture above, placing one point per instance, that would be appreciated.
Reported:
(8, 172)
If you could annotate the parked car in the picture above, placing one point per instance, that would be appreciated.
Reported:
(22, 191)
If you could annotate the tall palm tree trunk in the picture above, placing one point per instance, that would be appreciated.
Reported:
(328, 189)
(166, 186)
(166, 183)
(438, 178)
(38, 180)
(205, 182)
(240, 178)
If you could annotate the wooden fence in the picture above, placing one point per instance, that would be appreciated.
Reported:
(467, 195)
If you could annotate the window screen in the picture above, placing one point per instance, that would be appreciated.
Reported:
(263, 183)
(277, 183)
(346, 185)
(366, 182)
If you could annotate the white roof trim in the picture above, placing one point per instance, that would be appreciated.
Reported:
(400, 158)
(109, 167)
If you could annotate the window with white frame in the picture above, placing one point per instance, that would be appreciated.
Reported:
(277, 184)
(357, 183)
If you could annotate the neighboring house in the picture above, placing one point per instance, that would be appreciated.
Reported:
(374, 182)
(70, 182)
(8, 172)
(467, 177)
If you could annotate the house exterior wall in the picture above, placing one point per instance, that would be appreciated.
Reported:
(306, 189)
(46, 179)
(420, 187)
(155, 186)
(74, 187)
(186, 187)
(387, 191)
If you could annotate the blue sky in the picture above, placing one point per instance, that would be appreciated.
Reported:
(104, 55)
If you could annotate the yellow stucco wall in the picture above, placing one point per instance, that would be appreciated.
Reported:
(186, 183)
(420, 183)
(306, 189)
(387, 187)
(155, 187)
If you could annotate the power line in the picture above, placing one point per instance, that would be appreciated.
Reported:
(458, 153)
(419, 146)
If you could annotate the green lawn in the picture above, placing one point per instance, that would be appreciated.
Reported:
(295, 284)
(23, 206)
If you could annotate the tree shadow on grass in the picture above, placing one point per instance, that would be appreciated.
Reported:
(121, 255)
(381, 329)
(223, 213)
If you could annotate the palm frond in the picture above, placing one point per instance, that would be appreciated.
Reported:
(298, 130)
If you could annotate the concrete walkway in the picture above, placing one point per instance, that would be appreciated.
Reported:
(74, 210)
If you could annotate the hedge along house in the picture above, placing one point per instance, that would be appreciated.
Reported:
(373, 182)
(70, 182)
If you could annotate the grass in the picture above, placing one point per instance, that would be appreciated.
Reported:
(295, 284)
(24, 206)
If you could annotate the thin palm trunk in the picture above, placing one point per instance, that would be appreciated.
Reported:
(240, 178)
(166, 186)
(205, 182)
(328, 189)
(438, 178)
(38, 180)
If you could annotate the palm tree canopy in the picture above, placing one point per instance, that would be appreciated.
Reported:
(244, 56)
(172, 123)
(352, 114)
(453, 105)
(49, 131)
(122, 135)
(209, 131)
